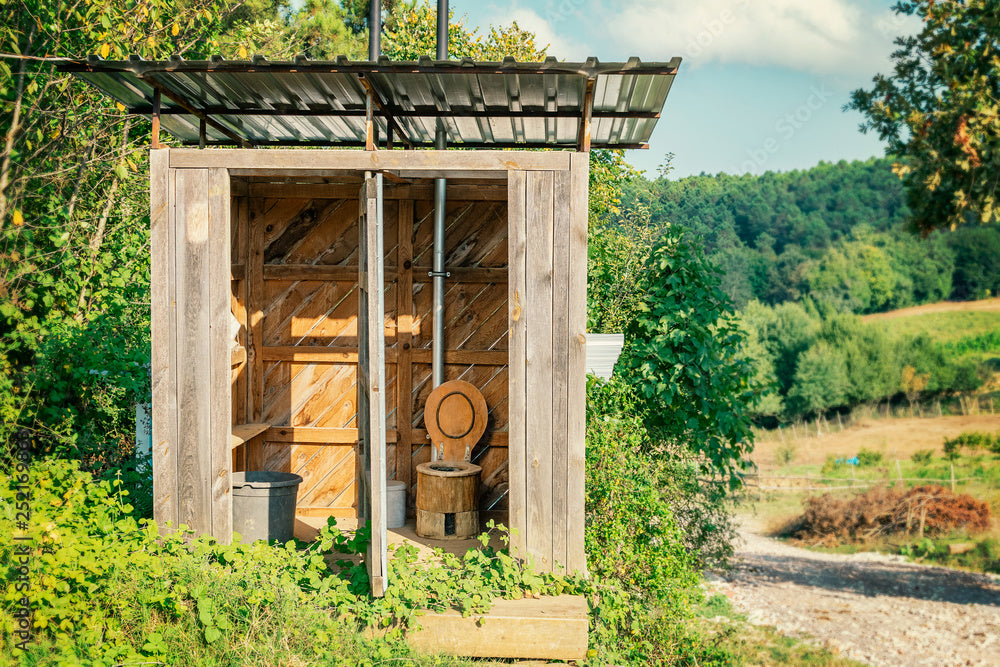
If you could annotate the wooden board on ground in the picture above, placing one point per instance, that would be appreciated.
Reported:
(550, 628)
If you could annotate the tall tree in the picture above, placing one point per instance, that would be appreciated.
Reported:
(938, 111)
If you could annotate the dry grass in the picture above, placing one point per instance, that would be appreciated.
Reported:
(896, 438)
(940, 307)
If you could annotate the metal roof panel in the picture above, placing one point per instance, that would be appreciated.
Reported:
(304, 102)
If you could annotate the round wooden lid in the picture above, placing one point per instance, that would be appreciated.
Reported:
(455, 416)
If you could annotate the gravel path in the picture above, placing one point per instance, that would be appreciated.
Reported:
(873, 608)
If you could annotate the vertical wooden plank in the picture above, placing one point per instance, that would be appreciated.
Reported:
(371, 380)
(376, 347)
(255, 312)
(364, 367)
(577, 374)
(517, 321)
(220, 374)
(404, 329)
(162, 316)
(241, 219)
(560, 363)
(193, 350)
(538, 367)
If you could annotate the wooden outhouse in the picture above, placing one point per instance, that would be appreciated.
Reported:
(291, 299)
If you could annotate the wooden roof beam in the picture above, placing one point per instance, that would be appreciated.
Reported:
(384, 111)
(183, 103)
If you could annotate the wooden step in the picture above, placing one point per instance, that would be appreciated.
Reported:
(547, 628)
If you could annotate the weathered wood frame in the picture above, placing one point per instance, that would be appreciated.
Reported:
(193, 408)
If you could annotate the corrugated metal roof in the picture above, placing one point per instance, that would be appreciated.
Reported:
(306, 102)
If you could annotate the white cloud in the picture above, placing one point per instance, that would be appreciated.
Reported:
(824, 36)
(560, 46)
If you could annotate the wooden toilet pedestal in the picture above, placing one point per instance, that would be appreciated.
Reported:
(447, 493)
(448, 485)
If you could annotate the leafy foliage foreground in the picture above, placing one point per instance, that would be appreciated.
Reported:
(105, 588)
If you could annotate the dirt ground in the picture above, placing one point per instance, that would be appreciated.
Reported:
(870, 607)
(896, 438)
(940, 307)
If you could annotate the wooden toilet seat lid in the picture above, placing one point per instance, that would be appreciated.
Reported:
(455, 416)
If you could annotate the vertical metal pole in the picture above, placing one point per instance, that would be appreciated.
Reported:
(437, 351)
(440, 184)
(374, 30)
(442, 26)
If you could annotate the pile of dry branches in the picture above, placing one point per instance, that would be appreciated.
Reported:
(923, 510)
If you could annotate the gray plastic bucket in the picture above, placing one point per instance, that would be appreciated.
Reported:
(395, 497)
(264, 504)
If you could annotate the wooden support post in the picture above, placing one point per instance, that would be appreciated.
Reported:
(156, 118)
(192, 255)
(377, 105)
(404, 333)
(899, 472)
(182, 103)
(539, 359)
(162, 239)
(219, 307)
(576, 559)
(560, 364)
(583, 135)
(201, 133)
(255, 313)
(516, 285)
(369, 121)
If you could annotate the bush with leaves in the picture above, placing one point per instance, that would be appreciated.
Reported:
(650, 530)
(108, 589)
(683, 355)
(972, 441)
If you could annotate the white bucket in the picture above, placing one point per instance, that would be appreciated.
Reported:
(395, 497)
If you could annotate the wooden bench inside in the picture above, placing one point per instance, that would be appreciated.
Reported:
(243, 433)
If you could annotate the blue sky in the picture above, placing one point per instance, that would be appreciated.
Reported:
(762, 84)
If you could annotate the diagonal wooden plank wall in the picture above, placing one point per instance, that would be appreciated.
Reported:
(300, 302)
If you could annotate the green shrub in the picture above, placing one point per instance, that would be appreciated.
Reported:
(830, 465)
(922, 456)
(649, 529)
(77, 397)
(683, 355)
(785, 453)
(106, 589)
(870, 458)
(972, 441)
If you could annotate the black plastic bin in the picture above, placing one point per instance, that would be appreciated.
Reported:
(264, 504)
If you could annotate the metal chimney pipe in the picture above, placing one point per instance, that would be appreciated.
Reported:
(440, 184)
(374, 30)
(442, 40)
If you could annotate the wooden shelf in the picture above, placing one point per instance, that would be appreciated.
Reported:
(244, 432)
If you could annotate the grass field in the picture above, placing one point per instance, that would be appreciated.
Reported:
(896, 439)
(792, 469)
(945, 322)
